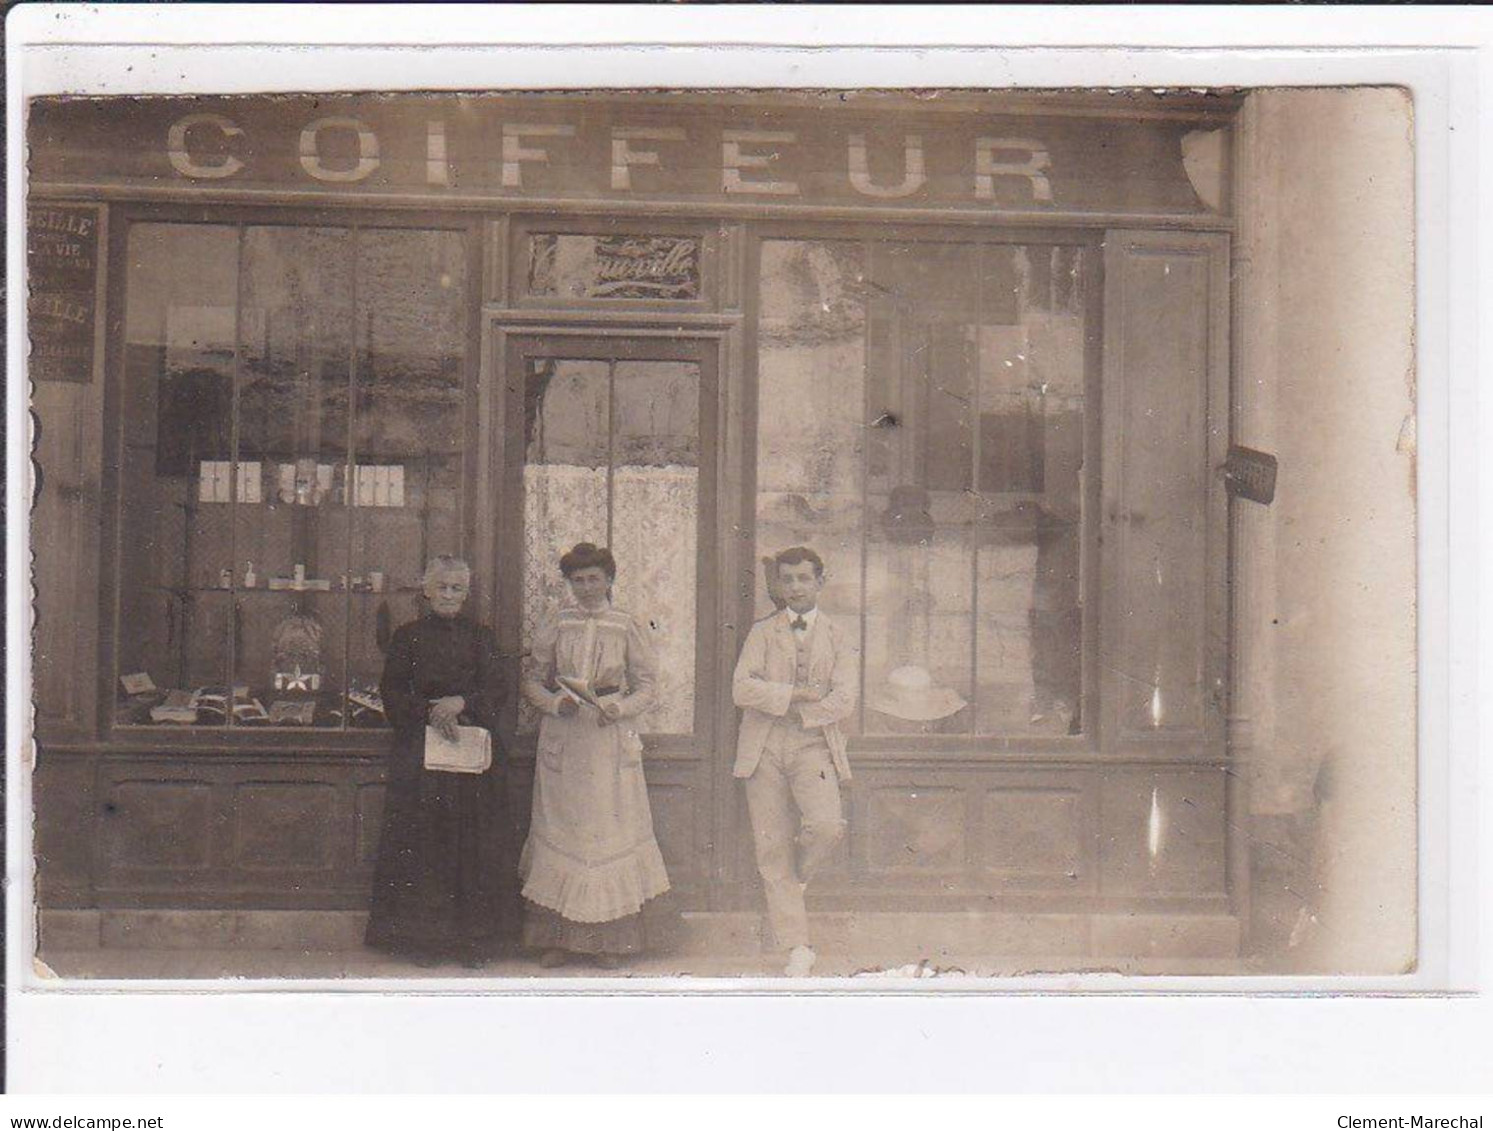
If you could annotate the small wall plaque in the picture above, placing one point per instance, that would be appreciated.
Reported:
(1249, 474)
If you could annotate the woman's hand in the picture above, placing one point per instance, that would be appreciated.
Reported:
(444, 714)
(608, 714)
(567, 707)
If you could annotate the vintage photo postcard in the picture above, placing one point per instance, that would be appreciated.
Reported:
(826, 537)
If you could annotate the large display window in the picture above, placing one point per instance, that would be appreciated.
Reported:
(926, 419)
(294, 437)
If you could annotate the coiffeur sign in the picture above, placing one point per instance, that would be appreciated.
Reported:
(589, 148)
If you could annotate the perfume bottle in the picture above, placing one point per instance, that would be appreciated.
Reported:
(249, 579)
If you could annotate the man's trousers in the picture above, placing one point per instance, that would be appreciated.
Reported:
(793, 797)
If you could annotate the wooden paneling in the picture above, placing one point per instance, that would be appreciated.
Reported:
(64, 808)
(368, 810)
(258, 831)
(199, 830)
(151, 824)
(1164, 833)
(676, 812)
(284, 825)
(915, 828)
(974, 836)
(1038, 836)
(65, 545)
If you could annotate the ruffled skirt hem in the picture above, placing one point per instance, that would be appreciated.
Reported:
(592, 893)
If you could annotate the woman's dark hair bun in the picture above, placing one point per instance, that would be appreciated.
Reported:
(584, 555)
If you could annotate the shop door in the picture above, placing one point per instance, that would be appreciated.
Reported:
(612, 440)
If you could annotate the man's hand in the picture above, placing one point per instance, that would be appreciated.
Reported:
(444, 713)
(799, 697)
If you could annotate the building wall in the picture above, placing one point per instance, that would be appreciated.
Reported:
(1325, 594)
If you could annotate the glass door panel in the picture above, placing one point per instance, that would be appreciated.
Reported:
(605, 446)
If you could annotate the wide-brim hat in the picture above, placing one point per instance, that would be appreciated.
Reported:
(909, 693)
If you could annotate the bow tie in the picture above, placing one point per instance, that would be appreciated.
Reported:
(799, 622)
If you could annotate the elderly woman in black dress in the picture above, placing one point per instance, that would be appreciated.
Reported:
(436, 890)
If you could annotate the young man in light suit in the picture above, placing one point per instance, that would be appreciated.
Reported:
(795, 682)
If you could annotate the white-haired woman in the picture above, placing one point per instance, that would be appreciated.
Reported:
(436, 890)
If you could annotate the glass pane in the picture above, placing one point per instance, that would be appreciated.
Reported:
(1031, 406)
(919, 633)
(293, 438)
(928, 295)
(409, 429)
(655, 516)
(1164, 496)
(567, 408)
(615, 267)
(176, 614)
(811, 415)
(961, 368)
(612, 453)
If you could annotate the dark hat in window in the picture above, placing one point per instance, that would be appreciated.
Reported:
(907, 518)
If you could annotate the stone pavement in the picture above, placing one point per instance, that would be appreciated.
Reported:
(190, 945)
(509, 973)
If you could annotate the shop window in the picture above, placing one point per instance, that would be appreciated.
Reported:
(921, 423)
(291, 455)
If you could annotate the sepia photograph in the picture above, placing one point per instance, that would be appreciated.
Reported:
(809, 537)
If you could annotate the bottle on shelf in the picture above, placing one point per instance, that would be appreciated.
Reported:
(249, 578)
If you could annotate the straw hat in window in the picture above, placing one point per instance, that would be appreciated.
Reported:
(909, 694)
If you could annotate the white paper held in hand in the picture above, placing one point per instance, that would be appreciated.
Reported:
(471, 753)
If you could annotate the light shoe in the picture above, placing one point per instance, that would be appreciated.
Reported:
(800, 962)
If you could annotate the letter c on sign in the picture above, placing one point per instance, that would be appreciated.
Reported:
(311, 154)
(181, 160)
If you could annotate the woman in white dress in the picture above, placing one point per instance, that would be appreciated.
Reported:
(591, 861)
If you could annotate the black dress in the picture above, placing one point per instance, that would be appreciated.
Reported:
(438, 890)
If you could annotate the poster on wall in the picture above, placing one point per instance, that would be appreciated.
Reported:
(62, 255)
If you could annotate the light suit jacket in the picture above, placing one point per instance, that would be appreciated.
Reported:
(764, 683)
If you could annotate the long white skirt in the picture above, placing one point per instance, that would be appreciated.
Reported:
(591, 855)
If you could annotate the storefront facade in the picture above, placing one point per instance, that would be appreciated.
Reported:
(972, 349)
